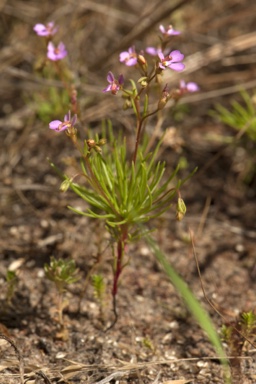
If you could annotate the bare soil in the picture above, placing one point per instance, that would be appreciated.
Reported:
(155, 339)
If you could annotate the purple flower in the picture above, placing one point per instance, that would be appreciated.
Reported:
(68, 122)
(152, 51)
(128, 57)
(45, 30)
(189, 87)
(173, 61)
(56, 53)
(114, 85)
(169, 31)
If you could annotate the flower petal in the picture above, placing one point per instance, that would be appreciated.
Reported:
(107, 89)
(110, 77)
(74, 120)
(124, 56)
(176, 56)
(152, 51)
(121, 79)
(160, 55)
(162, 29)
(173, 32)
(177, 66)
(192, 87)
(40, 29)
(131, 61)
(55, 124)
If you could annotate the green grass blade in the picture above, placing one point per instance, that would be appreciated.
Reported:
(193, 305)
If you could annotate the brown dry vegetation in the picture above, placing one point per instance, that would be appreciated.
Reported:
(155, 339)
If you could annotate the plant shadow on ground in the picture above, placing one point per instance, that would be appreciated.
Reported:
(155, 339)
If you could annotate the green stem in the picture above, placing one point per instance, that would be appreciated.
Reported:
(139, 129)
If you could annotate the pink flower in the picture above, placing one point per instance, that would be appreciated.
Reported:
(56, 53)
(45, 30)
(68, 122)
(172, 61)
(152, 51)
(169, 31)
(189, 87)
(114, 85)
(128, 57)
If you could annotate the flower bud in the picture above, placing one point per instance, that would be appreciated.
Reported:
(143, 81)
(180, 209)
(141, 60)
(162, 103)
(91, 143)
(102, 142)
(65, 186)
(97, 149)
(164, 98)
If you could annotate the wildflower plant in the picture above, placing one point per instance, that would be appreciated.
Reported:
(126, 188)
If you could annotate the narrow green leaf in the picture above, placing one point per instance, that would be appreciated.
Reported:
(193, 305)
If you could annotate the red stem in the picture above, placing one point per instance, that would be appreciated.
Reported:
(117, 270)
(119, 260)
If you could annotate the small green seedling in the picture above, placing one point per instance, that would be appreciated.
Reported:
(99, 288)
(61, 273)
(242, 116)
(147, 343)
(238, 335)
(11, 280)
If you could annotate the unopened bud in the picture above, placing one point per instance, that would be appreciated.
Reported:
(91, 143)
(180, 209)
(176, 94)
(97, 149)
(102, 142)
(65, 186)
(141, 60)
(162, 103)
(143, 81)
(164, 99)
